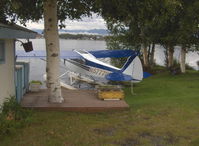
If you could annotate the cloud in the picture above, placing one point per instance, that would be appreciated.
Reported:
(86, 23)
(35, 25)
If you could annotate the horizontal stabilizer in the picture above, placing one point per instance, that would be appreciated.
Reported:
(118, 77)
(146, 74)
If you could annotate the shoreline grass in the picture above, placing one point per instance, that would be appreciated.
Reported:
(164, 111)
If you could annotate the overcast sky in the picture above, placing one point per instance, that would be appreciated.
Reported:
(94, 22)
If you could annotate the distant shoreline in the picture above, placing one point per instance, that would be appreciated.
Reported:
(69, 36)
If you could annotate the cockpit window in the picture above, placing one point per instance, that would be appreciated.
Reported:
(82, 52)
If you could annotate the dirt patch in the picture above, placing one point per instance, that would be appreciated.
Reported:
(171, 139)
(160, 140)
(128, 142)
(106, 132)
(145, 134)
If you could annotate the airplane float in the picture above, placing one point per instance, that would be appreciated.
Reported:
(87, 63)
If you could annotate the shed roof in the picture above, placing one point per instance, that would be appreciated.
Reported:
(12, 31)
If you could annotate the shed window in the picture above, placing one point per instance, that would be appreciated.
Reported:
(2, 52)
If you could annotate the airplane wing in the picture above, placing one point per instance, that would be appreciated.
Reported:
(73, 55)
(42, 54)
(35, 54)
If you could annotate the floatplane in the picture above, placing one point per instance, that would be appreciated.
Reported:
(86, 65)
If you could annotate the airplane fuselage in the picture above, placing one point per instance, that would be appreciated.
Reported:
(83, 69)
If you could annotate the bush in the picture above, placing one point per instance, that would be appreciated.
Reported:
(189, 67)
(13, 116)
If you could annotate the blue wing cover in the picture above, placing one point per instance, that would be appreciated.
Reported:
(113, 53)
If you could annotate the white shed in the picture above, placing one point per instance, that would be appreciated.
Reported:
(8, 36)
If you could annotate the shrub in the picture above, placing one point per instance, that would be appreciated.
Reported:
(189, 67)
(13, 116)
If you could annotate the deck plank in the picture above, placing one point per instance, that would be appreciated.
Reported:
(74, 100)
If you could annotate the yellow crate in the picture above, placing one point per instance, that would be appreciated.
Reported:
(111, 94)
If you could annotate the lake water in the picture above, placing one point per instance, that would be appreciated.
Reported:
(37, 66)
(39, 44)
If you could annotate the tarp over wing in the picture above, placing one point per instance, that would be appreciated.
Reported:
(113, 53)
(73, 55)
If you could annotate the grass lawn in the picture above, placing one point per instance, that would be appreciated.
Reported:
(163, 112)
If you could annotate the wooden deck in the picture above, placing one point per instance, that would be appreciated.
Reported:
(74, 100)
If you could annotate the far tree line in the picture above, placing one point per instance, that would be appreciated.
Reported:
(141, 24)
(81, 36)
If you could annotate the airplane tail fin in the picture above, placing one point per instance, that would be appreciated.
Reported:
(133, 67)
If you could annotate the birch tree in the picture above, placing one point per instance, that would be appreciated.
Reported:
(53, 51)
(188, 37)
(183, 59)
(145, 55)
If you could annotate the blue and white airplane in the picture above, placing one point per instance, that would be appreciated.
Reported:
(87, 63)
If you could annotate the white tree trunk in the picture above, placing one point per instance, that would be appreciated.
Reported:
(152, 60)
(170, 56)
(145, 55)
(183, 59)
(53, 51)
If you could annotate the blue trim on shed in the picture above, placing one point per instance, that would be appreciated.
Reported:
(3, 52)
